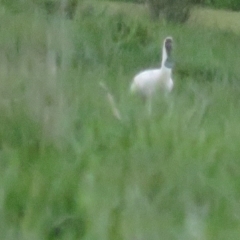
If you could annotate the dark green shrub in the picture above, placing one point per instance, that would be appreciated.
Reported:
(225, 4)
(67, 7)
(132, 1)
(219, 4)
(171, 10)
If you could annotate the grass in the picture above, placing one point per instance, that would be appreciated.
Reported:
(70, 170)
(220, 19)
(225, 20)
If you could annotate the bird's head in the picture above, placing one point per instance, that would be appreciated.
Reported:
(168, 45)
(167, 58)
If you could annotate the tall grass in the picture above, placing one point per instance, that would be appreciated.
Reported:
(70, 170)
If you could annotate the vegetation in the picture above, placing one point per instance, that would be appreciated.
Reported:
(225, 4)
(222, 4)
(179, 11)
(71, 170)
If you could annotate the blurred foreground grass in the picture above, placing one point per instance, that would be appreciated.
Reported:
(70, 170)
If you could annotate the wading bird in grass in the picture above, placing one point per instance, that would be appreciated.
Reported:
(147, 82)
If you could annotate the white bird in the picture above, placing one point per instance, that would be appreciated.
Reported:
(147, 82)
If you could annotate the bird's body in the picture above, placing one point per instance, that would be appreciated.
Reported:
(147, 82)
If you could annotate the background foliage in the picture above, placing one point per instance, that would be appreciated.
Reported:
(70, 170)
(175, 11)
(178, 11)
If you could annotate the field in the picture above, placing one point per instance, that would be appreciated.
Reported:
(69, 169)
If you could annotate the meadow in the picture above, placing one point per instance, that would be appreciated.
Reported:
(70, 170)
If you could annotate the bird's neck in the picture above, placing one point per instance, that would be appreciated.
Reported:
(166, 60)
(164, 55)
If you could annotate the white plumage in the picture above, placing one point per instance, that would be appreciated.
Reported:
(147, 82)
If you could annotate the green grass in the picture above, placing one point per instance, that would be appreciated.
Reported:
(70, 170)
(206, 17)
(220, 19)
